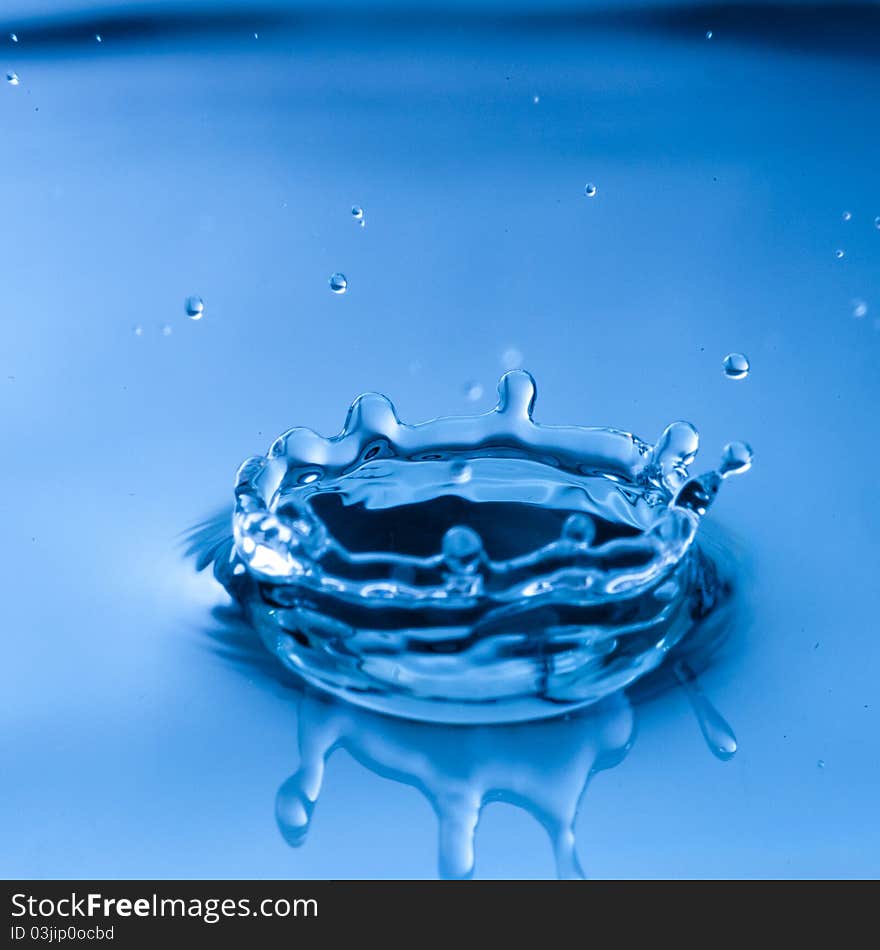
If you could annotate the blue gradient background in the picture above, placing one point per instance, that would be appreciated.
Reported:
(195, 159)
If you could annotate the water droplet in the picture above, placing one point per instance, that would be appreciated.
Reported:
(138, 331)
(536, 99)
(847, 215)
(256, 36)
(98, 38)
(675, 450)
(736, 457)
(460, 472)
(462, 547)
(579, 528)
(859, 308)
(709, 34)
(736, 366)
(13, 37)
(840, 253)
(357, 212)
(820, 764)
(590, 190)
(12, 79)
(166, 330)
(338, 283)
(194, 307)
(511, 358)
(877, 222)
(715, 728)
(473, 391)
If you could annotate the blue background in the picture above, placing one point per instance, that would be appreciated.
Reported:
(185, 156)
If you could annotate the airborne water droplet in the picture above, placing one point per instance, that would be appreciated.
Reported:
(821, 764)
(338, 283)
(859, 308)
(12, 79)
(736, 366)
(840, 253)
(13, 37)
(590, 190)
(877, 222)
(357, 212)
(847, 215)
(195, 307)
(98, 38)
(709, 34)
(138, 331)
(736, 458)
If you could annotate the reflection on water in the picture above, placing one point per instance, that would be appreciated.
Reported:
(542, 767)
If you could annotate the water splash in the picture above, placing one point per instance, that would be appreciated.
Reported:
(473, 569)
(543, 767)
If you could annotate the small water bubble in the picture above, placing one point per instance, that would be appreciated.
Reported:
(736, 366)
(820, 764)
(859, 309)
(579, 528)
(847, 215)
(511, 358)
(840, 253)
(194, 307)
(709, 34)
(473, 390)
(12, 79)
(166, 330)
(338, 283)
(736, 458)
(590, 190)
